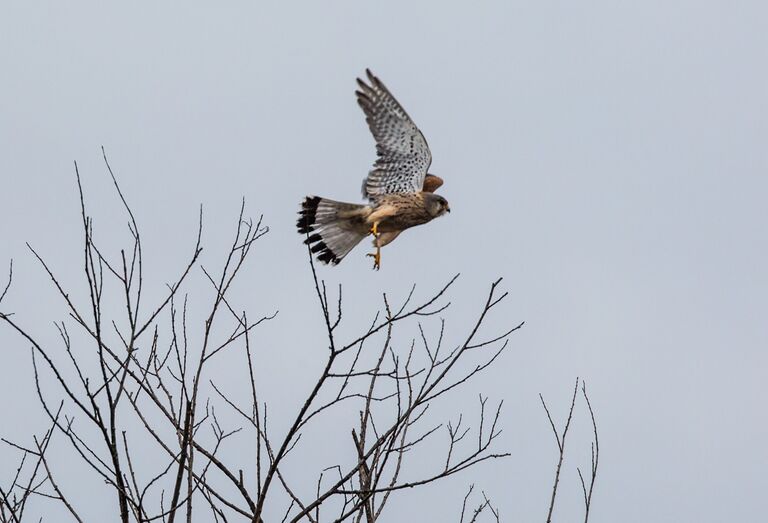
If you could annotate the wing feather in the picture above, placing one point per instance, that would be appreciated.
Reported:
(403, 153)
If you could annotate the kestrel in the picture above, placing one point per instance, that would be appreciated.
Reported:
(398, 188)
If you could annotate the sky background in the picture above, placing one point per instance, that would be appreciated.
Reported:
(607, 159)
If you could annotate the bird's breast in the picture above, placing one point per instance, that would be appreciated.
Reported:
(409, 212)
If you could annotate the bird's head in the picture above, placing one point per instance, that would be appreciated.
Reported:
(436, 205)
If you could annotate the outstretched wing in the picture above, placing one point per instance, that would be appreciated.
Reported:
(403, 152)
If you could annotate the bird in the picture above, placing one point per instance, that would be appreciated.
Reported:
(400, 191)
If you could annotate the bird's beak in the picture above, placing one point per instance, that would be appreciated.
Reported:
(448, 209)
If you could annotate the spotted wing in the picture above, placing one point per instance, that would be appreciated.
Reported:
(403, 153)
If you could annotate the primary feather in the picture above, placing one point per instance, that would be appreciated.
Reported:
(403, 153)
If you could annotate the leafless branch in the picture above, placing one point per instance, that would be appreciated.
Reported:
(143, 373)
(595, 447)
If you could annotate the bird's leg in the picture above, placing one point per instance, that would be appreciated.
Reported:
(376, 255)
(376, 258)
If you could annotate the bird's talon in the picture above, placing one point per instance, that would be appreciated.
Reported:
(376, 260)
(375, 230)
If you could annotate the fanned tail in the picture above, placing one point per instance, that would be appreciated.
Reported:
(334, 228)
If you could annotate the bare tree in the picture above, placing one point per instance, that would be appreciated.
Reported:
(560, 438)
(135, 376)
(32, 478)
(587, 491)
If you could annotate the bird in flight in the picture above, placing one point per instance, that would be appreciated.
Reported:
(399, 190)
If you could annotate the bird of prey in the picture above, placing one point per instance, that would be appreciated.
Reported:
(399, 190)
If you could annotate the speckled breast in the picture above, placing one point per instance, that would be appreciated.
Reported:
(411, 212)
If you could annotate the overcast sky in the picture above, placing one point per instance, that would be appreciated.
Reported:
(608, 159)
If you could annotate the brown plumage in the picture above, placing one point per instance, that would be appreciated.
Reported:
(432, 183)
(399, 189)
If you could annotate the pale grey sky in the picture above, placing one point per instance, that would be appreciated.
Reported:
(608, 159)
